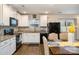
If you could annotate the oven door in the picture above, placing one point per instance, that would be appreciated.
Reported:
(18, 41)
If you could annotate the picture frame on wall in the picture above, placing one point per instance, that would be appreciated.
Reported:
(69, 22)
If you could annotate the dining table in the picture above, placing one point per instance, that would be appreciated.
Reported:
(63, 48)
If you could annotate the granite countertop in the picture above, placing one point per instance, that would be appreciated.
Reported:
(5, 37)
(30, 31)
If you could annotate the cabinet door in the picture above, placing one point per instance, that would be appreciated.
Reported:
(25, 20)
(7, 13)
(24, 37)
(43, 20)
(19, 19)
(12, 45)
(27, 38)
(5, 48)
(8, 47)
(37, 37)
(30, 37)
(1, 21)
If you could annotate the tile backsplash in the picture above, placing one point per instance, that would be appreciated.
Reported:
(2, 30)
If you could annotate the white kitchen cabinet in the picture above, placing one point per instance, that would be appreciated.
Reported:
(19, 18)
(43, 20)
(7, 13)
(31, 38)
(5, 47)
(1, 20)
(24, 37)
(0, 11)
(13, 45)
(4, 50)
(8, 47)
(24, 20)
(36, 38)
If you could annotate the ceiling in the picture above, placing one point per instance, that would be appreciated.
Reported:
(46, 8)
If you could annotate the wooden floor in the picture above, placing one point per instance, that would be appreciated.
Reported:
(30, 49)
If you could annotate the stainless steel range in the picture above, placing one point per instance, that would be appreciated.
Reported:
(18, 40)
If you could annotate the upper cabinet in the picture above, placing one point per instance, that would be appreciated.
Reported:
(19, 18)
(8, 12)
(43, 20)
(25, 20)
(1, 20)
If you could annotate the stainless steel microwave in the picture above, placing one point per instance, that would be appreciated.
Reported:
(13, 22)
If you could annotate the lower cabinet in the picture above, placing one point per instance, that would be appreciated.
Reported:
(31, 38)
(8, 47)
(13, 45)
(5, 50)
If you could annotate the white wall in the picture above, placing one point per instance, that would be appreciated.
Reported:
(52, 18)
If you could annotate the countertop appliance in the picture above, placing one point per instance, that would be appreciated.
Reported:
(8, 31)
(13, 22)
(18, 40)
(54, 27)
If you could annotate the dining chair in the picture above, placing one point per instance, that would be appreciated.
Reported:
(46, 48)
(53, 37)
